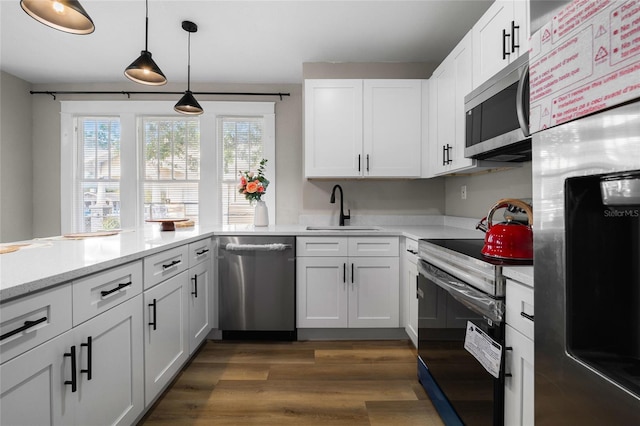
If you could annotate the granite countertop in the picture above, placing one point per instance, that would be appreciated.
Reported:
(46, 262)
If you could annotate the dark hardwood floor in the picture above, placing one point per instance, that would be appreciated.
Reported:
(297, 383)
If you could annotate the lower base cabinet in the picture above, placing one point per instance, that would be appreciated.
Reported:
(166, 340)
(519, 387)
(91, 374)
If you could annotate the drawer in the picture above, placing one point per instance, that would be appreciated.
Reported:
(411, 250)
(322, 246)
(519, 308)
(50, 314)
(104, 290)
(159, 267)
(200, 251)
(374, 246)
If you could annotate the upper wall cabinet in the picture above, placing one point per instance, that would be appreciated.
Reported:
(499, 37)
(449, 84)
(363, 128)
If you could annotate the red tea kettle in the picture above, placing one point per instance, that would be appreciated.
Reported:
(510, 239)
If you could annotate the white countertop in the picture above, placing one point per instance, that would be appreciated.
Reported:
(46, 262)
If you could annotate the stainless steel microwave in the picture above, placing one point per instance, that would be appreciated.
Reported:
(497, 116)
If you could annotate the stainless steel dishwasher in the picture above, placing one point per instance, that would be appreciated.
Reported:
(256, 278)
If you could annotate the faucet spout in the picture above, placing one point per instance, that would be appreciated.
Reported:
(333, 200)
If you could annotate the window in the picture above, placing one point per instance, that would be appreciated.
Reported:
(98, 184)
(171, 154)
(126, 161)
(242, 150)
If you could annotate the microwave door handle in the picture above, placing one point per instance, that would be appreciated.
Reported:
(524, 125)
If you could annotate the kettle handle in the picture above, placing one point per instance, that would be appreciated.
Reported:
(510, 201)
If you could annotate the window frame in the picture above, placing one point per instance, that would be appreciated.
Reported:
(130, 194)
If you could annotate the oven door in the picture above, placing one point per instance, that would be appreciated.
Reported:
(462, 390)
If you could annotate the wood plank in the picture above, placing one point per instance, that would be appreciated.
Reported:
(399, 413)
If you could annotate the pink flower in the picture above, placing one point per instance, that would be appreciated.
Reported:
(252, 187)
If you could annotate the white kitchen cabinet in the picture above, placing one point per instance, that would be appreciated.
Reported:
(449, 84)
(166, 333)
(200, 302)
(500, 36)
(363, 128)
(519, 347)
(409, 293)
(110, 366)
(519, 386)
(91, 374)
(36, 379)
(360, 290)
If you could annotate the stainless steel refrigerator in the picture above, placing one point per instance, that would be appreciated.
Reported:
(586, 198)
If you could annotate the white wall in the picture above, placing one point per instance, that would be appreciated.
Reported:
(16, 167)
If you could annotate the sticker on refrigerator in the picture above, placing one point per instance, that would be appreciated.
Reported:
(486, 350)
(586, 59)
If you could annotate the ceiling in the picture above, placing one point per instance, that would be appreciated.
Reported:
(237, 41)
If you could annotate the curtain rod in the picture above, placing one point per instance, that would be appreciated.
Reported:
(129, 93)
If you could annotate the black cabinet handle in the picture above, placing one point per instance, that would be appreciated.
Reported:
(201, 252)
(113, 290)
(448, 156)
(195, 285)
(74, 379)
(444, 160)
(344, 272)
(27, 325)
(514, 27)
(88, 345)
(508, 348)
(352, 273)
(412, 251)
(417, 280)
(505, 53)
(527, 316)
(154, 322)
(358, 162)
(367, 162)
(169, 265)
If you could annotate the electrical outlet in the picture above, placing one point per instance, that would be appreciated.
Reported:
(463, 192)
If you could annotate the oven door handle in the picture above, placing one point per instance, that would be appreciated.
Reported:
(474, 299)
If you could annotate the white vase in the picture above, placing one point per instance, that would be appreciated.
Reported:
(261, 215)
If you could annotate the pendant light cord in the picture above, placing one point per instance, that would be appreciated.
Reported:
(189, 63)
(146, 25)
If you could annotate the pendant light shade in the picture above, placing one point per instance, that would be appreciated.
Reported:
(144, 70)
(64, 15)
(188, 104)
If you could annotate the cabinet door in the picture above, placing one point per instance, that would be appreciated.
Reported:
(333, 128)
(33, 390)
(519, 387)
(110, 366)
(374, 292)
(411, 288)
(166, 325)
(200, 291)
(321, 292)
(491, 49)
(392, 128)
(452, 83)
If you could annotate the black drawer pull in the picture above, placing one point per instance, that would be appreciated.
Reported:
(172, 264)
(352, 273)
(527, 316)
(74, 379)
(154, 322)
(367, 162)
(358, 162)
(27, 325)
(195, 286)
(344, 272)
(201, 252)
(113, 290)
(88, 345)
(505, 51)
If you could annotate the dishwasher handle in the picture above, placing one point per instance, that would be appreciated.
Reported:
(257, 247)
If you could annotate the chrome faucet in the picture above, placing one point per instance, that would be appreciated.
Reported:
(333, 200)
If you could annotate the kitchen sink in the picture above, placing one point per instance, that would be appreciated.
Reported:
(343, 228)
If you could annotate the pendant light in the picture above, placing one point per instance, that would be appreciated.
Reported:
(144, 70)
(64, 15)
(188, 104)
